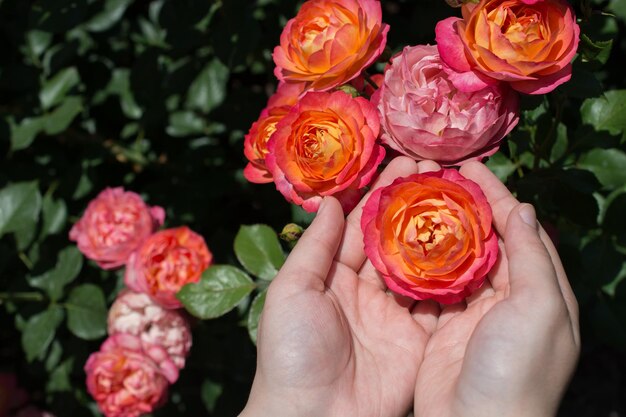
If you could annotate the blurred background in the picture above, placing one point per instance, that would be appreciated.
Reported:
(156, 96)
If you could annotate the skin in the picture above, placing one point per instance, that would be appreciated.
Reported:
(333, 342)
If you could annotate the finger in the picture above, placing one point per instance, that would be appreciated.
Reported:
(485, 291)
(448, 312)
(500, 198)
(502, 202)
(370, 274)
(309, 262)
(532, 275)
(564, 285)
(351, 249)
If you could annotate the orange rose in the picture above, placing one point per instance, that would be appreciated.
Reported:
(330, 42)
(430, 236)
(165, 262)
(326, 145)
(255, 143)
(528, 43)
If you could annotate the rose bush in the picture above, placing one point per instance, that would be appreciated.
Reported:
(424, 116)
(129, 378)
(114, 225)
(326, 145)
(330, 42)
(136, 314)
(430, 236)
(165, 262)
(528, 43)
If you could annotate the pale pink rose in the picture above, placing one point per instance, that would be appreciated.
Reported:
(11, 395)
(129, 378)
(115, 223)
(137, 314)
(32, 411)
(423, 115)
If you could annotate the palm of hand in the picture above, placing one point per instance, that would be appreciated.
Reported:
(377, 346)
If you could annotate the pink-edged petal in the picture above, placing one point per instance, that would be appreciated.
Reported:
(450, 46)
(545, 84)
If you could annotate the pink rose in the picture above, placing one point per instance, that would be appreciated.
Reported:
(129, 378)
(430, 236)
(325, 145)
(165, 262)
(423, 115)
(114, 225)
(11, 395)
(137, 314)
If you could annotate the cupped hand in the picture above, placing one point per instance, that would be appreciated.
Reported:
(512, 347)
(331, 341)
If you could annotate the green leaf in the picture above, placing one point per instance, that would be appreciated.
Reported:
(300, 216)
(560, 143)
(87, 312)
(55, 89)
(59, 380)
(24, 134)
(59, 120)
(607, 164)
(38, 41)
(111, 13)
(208, 90)
(184, 123)
(54, 216)
(210, 393)
(255, 314)
(597, 52)
(39, 332)
(614, 223)
(501, 166)
(20, 204)
(258, 249)
(69, 265)
(607, 112)
(219, 290)
(619, 8)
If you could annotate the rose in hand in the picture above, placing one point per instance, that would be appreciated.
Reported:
(430, 236)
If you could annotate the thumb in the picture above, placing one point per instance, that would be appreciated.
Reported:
(531, 271)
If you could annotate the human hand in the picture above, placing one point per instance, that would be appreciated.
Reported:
(331, 341)
(510, 349)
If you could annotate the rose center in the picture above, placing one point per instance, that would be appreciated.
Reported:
(310, 33)
(523, 27)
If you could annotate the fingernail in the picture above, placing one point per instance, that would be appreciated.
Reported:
(527, 213)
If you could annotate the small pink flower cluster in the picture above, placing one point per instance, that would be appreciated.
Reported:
(14, 400)
(451, 103)
(149, 339)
